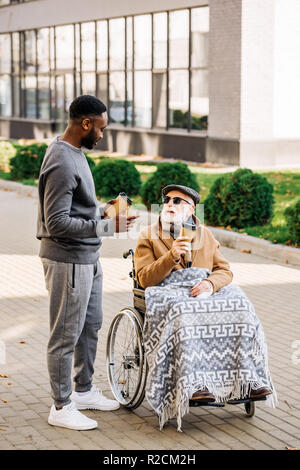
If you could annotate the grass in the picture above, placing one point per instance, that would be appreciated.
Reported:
(286, 185)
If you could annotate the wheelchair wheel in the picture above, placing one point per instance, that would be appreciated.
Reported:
(126, 364)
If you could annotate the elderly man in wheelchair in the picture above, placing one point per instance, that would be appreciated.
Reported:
(192, 338)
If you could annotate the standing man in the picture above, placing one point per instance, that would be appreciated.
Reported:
(70, 226)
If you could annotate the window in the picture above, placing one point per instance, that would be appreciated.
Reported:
(199, 99)
(179, 39)
(151, 70)
(117, 44)
(117, 70)
(178, 98)
(31, 88)
(43, 58)
(5, 59)
(64, 39)
(199, 61)
(159, 100)
(117, 97)
(44, 97)
(129, 45)
(88, 47)
(43, 52)
(142, 99)
(102, 46)
(102, 89)
(160, 38)
(199, 36)
(160, 63)
(5, 78)
(5, 95)
(142, 42)
(88, 83)
(30, 52)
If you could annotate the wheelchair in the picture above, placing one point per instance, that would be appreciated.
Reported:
(126, 363)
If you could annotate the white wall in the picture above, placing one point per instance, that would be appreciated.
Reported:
(257, 70)
(224, 69)
(286, 92)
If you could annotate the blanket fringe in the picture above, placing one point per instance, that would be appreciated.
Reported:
(239, 390)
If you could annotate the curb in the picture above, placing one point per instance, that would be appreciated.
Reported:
(282, 253)
(22, 189)
(256, 246)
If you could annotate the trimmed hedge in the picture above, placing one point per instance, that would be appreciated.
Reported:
(240, 199)
(114, 176)
(8, 150)
(28, 161)
(167, 173)
(292, 216)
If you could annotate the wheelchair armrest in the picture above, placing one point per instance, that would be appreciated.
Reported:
(139, 299)
(139, 292)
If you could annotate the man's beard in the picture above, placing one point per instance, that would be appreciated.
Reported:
(90, 140)
(172, 223)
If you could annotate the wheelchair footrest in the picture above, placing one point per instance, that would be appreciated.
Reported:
(245, 400)
(205, 403)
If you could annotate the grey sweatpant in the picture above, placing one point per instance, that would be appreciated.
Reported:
(75, 295)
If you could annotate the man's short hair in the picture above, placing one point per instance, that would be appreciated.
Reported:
(86, 105)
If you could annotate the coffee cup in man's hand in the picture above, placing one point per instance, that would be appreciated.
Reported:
(120, 205)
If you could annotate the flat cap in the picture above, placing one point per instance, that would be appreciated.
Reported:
(183, 189)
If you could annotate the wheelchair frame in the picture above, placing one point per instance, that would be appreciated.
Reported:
(127, 369)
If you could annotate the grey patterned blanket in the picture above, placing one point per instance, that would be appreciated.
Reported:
(193, 343)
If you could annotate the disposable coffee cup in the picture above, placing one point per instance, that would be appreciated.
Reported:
(121, 206)
(188, 230)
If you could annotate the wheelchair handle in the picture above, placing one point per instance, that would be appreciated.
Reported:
(127, 253)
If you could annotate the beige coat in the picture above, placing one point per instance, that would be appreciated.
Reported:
(153, 259)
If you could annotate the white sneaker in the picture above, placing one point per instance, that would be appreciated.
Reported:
(94, 400)
(70, 417)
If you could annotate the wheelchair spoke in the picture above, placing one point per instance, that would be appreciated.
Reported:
(125, 358)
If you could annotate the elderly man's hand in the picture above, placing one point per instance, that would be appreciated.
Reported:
(202, 286)
(180, 246)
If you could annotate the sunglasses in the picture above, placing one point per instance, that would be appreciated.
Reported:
(176, 200)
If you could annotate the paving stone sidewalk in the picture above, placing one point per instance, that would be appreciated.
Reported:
(24, 388)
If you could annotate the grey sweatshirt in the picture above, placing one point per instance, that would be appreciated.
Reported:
(69, 223)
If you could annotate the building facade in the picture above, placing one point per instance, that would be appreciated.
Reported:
(198, 80)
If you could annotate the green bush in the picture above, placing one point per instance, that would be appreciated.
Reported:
(114, 176)
(292, 216)
(28, 161)
(167, 173)
(240, 199)
(8, 150)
